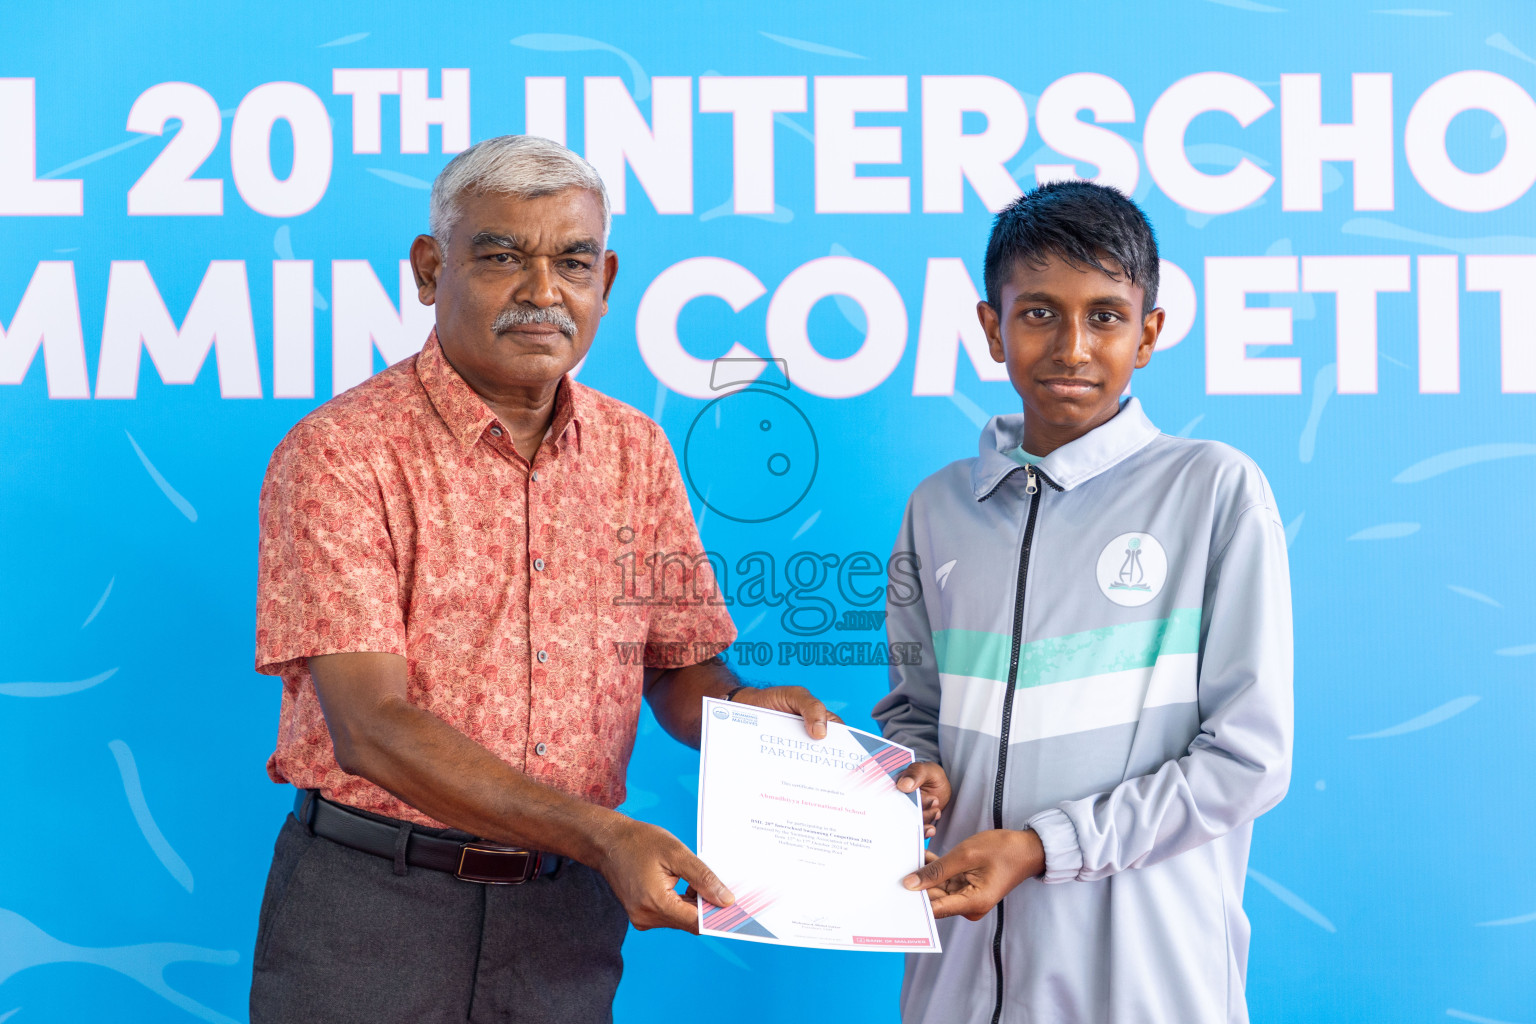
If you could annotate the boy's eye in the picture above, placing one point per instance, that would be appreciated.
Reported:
(1104, 316)
(1036, 314)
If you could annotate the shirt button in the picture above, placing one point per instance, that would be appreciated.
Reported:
(495, 431)
(535, 476)
(543, 656)
(538, 563)
(541, 749)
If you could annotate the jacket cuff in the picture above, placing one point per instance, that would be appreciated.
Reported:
(924, 751)
(1063, 857)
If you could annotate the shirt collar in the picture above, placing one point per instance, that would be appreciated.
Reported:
(1102, 448)
(465, 413)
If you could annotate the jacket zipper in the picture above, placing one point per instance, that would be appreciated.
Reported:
(1032, 488)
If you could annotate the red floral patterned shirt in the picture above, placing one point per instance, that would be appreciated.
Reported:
(398, 517)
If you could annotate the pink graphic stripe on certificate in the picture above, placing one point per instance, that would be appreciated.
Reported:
(881, 768)
(747, 905)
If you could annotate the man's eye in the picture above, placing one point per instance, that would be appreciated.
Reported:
(576, 265)
(1036, 314)
(502, 257)
(1104, 316)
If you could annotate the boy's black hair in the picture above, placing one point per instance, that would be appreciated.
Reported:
(1086, 224)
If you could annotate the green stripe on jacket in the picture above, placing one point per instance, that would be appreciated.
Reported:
(969, 652)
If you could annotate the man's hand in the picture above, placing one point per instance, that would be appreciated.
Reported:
(674, 695)
(795, 700)
(973, 878)
(930, 779)
(643, 865)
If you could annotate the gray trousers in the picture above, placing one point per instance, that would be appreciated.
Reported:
(344, 939)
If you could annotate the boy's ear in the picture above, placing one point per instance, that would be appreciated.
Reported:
(993, 328)
(1151, 328)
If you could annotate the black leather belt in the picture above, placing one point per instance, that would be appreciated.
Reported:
(472, 861)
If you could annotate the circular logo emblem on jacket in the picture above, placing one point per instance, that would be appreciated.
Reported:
(1132, 569)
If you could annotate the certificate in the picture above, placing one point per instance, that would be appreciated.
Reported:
(811, 836)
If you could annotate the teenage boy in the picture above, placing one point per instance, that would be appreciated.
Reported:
(1106, 675)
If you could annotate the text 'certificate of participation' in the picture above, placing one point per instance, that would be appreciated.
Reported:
(811, 836)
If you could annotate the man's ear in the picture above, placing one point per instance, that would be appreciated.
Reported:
(1151, 328)
(993, 328)
(426, 263)
(610, 272)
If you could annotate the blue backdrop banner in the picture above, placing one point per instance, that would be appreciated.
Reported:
(206, 211)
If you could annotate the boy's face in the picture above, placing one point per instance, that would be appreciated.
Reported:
(1070, 337)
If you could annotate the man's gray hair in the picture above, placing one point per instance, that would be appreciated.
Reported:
(525, 166)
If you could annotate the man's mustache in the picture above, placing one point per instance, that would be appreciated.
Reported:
(522, 316)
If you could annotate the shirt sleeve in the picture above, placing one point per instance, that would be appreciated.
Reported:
(1239, 766)
(909, 714)
(327, 582)
(696, 622)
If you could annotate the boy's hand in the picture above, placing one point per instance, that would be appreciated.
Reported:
(973, 878)
(934, 784)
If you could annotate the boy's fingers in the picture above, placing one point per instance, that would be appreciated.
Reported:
(931, 779)
(970, 904)
(929, 875)
(918, 774)
(949, 906)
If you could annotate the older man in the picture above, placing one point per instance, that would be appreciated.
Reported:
(447, 576)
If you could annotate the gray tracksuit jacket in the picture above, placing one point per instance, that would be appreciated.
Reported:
(1106, 641)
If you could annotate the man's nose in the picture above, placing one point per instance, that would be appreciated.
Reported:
(538, 285)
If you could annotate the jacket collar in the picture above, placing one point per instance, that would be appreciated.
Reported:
(1101, 449)
(466, 415)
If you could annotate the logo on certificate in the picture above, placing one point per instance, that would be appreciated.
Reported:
(1132, 569)
(738, 715)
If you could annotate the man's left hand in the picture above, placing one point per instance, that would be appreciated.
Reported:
(794, 700)
(973, 877)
